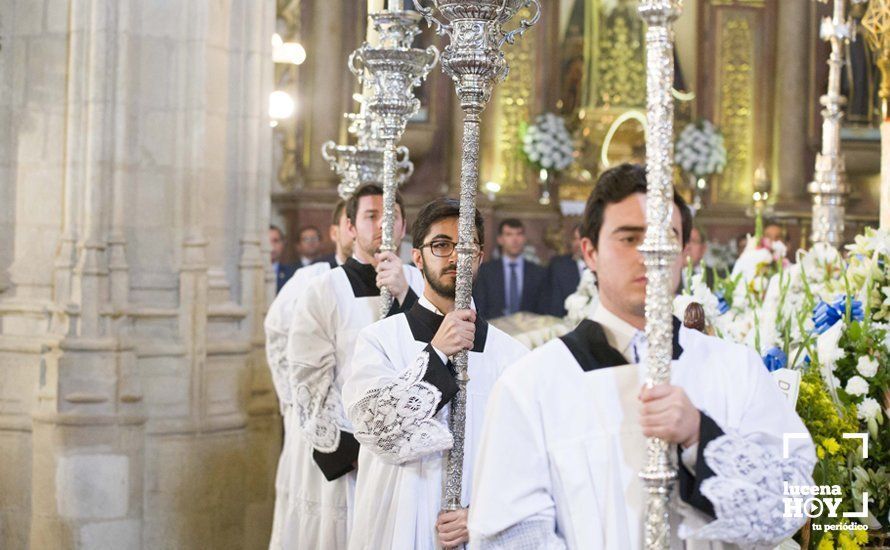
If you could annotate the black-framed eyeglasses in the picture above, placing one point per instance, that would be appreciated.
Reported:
(443, 248)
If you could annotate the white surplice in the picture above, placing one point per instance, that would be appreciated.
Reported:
(396, 392)
(335, 307)
(562, 447)
(277, 324)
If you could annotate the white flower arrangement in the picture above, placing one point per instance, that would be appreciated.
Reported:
(866, 366)
(869, 409)
(547, 143)
(582, 303)
(700, 150)
(857, 386)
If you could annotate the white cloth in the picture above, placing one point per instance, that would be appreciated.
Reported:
(403, 439)
(319, 345)
(277, 324)
(562, 450)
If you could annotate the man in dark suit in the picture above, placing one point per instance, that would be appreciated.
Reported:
(563, 276)
(282, 271)
(308, 245)
(511, 283)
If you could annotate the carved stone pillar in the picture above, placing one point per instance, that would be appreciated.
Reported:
(791, 163)
(134, 412)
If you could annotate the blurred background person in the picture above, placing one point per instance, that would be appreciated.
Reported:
(339, 235)
(696, 248)
(282, 271)
(563, 276)
(511, 283)
(308, 245)
(772, 232)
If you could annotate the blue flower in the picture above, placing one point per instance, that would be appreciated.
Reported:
(825, 315)
(775, 359)
(856, 311)
(722, 305)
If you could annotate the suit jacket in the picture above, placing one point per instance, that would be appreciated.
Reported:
(490, 289)
(285, 272)
(562, 280)
(330, 259)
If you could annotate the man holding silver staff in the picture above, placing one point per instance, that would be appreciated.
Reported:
(397, 391)
(277, 326)
(564, 436)
(336, 306)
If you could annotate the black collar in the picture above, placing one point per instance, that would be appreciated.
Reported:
(362, 277)
(592, 351)
(425, 323)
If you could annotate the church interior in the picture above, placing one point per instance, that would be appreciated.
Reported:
(152, 147)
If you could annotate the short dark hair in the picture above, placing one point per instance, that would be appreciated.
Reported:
(701, 231)
(439, 209)
(338, 212)
(771, 223)
(273, 227)
(306, 228)
(615, 185)
(368, 190)
(514, 223)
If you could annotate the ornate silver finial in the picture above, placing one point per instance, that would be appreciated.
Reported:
(391, 71)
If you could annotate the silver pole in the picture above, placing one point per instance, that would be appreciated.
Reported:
(391, 71)
(660, 248)
(475, 61)
(829, 186)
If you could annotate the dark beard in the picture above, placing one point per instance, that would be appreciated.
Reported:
(442, 289)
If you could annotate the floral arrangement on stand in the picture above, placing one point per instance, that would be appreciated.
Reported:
(700, 153)
(548, 147)
(827, 316)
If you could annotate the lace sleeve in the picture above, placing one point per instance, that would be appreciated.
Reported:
(536, 534)
(312, 355)
(319, 412)
(747, 492)
(276, 344)
(395, 420)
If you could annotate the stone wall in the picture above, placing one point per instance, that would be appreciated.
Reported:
(135, 406)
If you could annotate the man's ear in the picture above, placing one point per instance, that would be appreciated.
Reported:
(588, 253)
(417, 256)
(351, 228)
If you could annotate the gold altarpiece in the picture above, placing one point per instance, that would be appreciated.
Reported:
(735, 87)
(603, 87)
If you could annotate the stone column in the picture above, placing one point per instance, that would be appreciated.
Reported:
(328, 80)
(133, 395)
(790, 160)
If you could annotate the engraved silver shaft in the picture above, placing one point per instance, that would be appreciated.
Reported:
(660, 248)
(387, 242)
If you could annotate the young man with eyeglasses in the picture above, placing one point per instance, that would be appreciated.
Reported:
(397, 391)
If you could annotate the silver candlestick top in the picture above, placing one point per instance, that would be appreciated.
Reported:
(356, 166)
(390, 71)
(474, 61)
